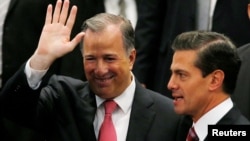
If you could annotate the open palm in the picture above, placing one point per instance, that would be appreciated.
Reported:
(55, 38)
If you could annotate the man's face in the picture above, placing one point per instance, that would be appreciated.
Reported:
(189, 89)
(106, 64)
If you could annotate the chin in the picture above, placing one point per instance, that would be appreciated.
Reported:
(178, 111)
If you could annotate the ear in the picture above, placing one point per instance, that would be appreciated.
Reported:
(132, 57)
(217, 78)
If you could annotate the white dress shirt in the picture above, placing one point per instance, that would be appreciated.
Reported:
(34, 77)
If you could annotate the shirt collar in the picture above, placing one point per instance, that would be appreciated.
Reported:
(211, 118)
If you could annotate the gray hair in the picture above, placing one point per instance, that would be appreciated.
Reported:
(100, 21)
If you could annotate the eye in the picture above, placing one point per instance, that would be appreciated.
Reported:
(182, 75)
(89, 58)
(110, 59)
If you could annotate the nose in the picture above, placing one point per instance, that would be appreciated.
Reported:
(101, 68)
(171, 84)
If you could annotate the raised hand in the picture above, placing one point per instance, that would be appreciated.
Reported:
(55, 37)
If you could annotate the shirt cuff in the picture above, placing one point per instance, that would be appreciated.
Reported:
(34, 77)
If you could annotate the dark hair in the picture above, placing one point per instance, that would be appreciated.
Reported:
(214, 51)
(102, 20)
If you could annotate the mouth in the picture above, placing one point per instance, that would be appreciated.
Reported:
(177, 99)
(104, 81)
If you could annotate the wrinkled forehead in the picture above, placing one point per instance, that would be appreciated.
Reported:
(110, 38)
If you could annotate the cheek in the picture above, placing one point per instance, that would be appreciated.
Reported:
(193, 88)
(197, 90)
(88, 67)
(120, 66)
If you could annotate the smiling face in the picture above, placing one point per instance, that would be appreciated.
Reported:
(106, 63)
(189, 89)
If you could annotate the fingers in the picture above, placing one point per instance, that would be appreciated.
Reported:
(72, 16)
(48, 15)
(60, 13)
(77, 39)
(57, 11)
(64, 12)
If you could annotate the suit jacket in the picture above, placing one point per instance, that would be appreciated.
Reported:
(160, 21)
(241, 94)
(65, 109)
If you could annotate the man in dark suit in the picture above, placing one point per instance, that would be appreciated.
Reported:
(159, 21)
(204, 71)
(22, 27)
(65, 108)
(242, 91)
(21, 31)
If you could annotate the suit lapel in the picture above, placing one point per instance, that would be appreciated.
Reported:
(141, 115)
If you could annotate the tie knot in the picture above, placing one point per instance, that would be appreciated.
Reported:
(109, 106)
(192, 136)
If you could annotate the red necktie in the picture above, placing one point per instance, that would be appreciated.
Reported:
(192, 136)
(107, 130)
